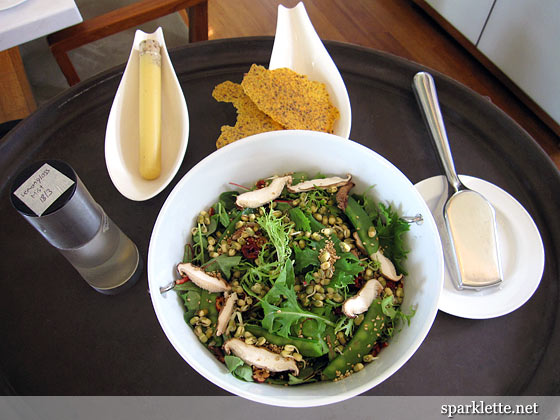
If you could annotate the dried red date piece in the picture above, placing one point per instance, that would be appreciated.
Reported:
(220, 300)
(252, 247)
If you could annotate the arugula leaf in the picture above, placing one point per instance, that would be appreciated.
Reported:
(282, 206)
(300, 219)
(186, 287)
(295, 380)
(390, 230)
(228, 199)
(283, 286)
(231, 226)
(345, 270)
(305, 258)
(233, 362)
(222, 214)
(239, 368)
(224, 263)
(279, 314)
(211, 228)
(188, 255)
(316, 226)
(191, 300)
(244, 372)
(279, 319)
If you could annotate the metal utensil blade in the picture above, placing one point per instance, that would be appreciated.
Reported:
(471, 223)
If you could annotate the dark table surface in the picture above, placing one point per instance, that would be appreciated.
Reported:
(60, 337)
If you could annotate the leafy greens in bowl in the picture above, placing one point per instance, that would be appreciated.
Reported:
(272, 279)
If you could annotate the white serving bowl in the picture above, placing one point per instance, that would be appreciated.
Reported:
(278, 152)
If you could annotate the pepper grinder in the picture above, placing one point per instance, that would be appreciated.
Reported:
(52, 198)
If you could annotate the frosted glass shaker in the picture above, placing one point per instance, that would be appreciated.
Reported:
(52, 198)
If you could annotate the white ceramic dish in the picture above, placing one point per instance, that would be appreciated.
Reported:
(279, 152)
(520, 247)
(8, 4)
(298, 47)
(121, 137)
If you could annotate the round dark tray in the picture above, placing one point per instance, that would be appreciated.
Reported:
(60, 337)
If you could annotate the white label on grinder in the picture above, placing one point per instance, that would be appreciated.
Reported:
(43, 188)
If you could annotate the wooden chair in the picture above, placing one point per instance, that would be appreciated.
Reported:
(193, 12)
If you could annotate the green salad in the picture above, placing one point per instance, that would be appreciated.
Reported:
(296, 279)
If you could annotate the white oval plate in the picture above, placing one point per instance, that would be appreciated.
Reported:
(121, 137)
(520, 246)
(298, 47)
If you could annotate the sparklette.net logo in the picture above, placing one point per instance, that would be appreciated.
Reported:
(481, 407)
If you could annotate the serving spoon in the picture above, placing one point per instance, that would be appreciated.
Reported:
(470, 219)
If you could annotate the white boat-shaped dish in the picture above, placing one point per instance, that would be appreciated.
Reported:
(121, 137)
(298, 47)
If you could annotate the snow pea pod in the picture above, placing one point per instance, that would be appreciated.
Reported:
(306, 347)
(330, 338)
(363, 225)
(361, 344)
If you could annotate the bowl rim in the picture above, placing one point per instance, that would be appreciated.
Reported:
(306, 400)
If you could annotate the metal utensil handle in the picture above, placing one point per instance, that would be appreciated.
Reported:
(425, 91)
